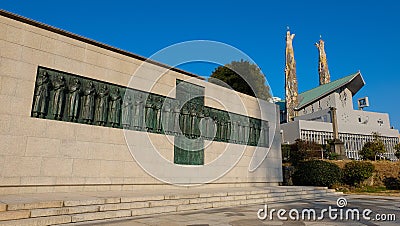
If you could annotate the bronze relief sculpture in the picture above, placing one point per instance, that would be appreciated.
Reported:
(102, 106)
(41, 96)
(88, 102)
(58, 97)
(127, 112)
(74, 100)
(115, 108)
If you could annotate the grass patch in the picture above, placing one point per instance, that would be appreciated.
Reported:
(370, 190)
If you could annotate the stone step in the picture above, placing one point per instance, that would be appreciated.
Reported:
(12, 215)
(154, 201)
(3, 207)
(54, 220)
(34, 205)
(78, 209)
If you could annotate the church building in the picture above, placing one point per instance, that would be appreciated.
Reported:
(308, 115)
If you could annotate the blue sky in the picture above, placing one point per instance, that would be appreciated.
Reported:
(359, 35)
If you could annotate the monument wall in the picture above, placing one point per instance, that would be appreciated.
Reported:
(50, 141)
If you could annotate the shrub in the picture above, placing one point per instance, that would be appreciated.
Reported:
(397, 154)
(392, 183)
(397, 148)
(373, 148)
(356, 172)
(285, 148)
(297, 155)
(287, 172)
(304, 150)
(332, 156)
(316, 173)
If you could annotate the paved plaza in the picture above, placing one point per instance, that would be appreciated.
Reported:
(247, 215)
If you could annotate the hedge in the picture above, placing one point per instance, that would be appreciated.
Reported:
(316, 173)
(356, 172)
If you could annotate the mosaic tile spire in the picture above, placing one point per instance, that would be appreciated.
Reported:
(323, 71)
(290, 78)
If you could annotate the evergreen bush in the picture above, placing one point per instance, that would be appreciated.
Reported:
(316, 173)
(356, 172)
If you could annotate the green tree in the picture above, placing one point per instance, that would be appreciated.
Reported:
(397, 148)
(371, 149)
(304, 150)
(242, 76)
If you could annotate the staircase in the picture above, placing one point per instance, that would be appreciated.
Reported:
(67, 208)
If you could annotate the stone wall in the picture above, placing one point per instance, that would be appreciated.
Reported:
(41, 155)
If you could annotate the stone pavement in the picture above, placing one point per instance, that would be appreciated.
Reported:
(247, 215)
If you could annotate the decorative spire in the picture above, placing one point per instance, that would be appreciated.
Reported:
(323, 71)
(290, 78)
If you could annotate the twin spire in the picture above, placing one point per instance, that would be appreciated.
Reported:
(323, 71)
(291, 88)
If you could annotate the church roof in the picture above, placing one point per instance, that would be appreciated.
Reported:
(353, 82)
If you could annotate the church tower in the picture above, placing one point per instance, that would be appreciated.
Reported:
(290, 79)
(323, 71)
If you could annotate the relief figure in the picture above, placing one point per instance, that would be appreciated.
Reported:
(88, 101)
(58, 97)
(41, 97)
(102, 106)
(74, 100)
(115, 108)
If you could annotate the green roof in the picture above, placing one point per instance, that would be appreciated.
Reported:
(312, 95)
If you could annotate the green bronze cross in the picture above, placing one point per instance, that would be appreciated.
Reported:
(189, 144)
